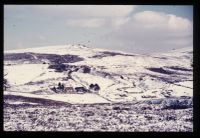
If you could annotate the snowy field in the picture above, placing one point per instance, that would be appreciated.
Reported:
(86, 98)
(121, 76)
(125, 80)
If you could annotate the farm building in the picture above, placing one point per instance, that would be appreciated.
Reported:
(68, 89)
(80, 89)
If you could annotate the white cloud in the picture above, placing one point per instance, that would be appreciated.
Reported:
(90, 23)
(117, 22)
(93, 11)
(90, 16)
(151, 30)
(142, 30)
(97, 22)
(178, 23)
(152, 20)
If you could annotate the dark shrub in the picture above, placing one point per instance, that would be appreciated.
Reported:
(18, 56)
(179, 68)
(53, 58)
(108, 53)
(156, 101)
(160, 70)
(116, 108)
(177, 103)
(170, 117)
(54, 89)
(72, 58)
(86, 69)
(88, 113)
(80, 89)
(58, 67)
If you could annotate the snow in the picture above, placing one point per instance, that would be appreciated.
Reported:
(57, 49)
(21, 74)
(87, 98)
(123, 70)
(181, 91)
(132, 94)
(92, 79)
(186, 84)
(19, 102)
(50, 74)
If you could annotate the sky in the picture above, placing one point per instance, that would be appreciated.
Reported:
(129, 28)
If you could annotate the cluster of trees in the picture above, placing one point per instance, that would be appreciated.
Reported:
(94, 87)
(60, 87)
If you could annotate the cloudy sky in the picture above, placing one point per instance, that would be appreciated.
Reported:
(132, 28)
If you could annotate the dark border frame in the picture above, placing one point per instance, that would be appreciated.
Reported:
(196, 69)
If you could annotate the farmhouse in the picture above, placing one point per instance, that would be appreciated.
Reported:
(73, 90)
(68, 89)
(80, 89)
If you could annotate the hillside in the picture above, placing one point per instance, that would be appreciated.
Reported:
(78, 88)
(122, 77)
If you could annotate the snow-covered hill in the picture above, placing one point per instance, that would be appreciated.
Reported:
(122, 77)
